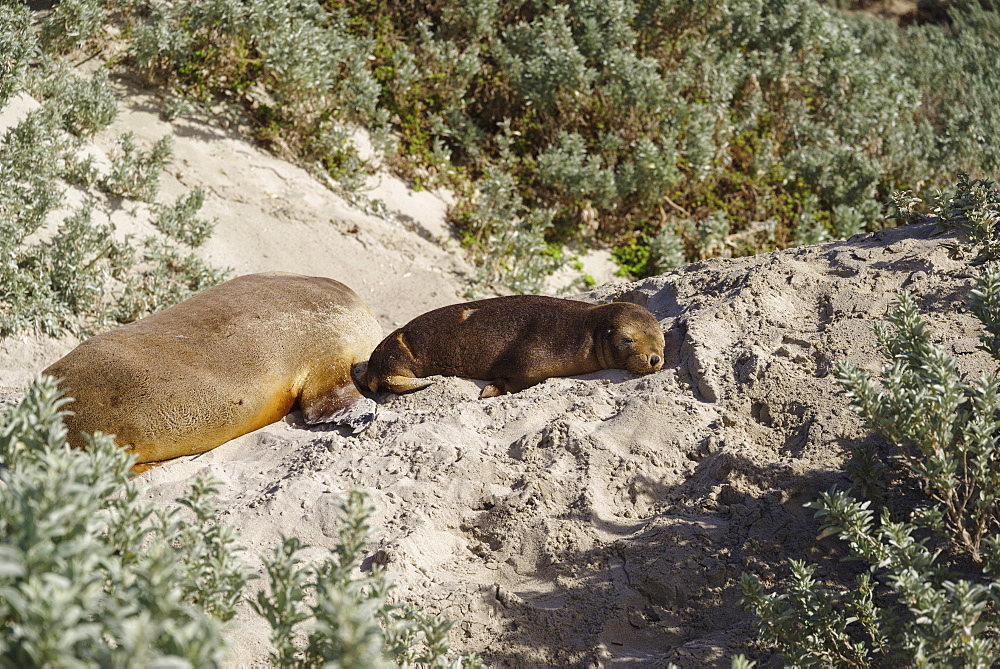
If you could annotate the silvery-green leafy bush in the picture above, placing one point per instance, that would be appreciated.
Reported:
(136, 173)
(89, 573)
(615, 120)
(974, 211)
(70, 271)
(45, 282)
(32, 156)
(508, 239)
(84, 106)
(72, 23)
(929, 593)
(349, 620)
(18, 45)
(545, 64)
(793, 117)
(50, 285)
(80, 274)
(314, 71)
(180, 220)
(958, 130)
(971, 209)
(666, 251)
(942, 423)
(92, 575)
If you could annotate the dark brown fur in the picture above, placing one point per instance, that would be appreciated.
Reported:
(515, 342)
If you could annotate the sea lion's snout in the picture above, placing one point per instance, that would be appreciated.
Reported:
(644, 363)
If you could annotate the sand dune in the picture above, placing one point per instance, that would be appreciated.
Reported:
(585, 521)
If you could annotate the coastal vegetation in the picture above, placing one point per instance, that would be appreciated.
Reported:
(665, 131)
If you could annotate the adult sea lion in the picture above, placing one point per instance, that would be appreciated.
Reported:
(223, 363)
(515, 342)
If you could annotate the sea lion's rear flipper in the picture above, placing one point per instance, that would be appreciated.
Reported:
(490, 391)
(141, 467)
(404, 384)
(340, 406)
(497, 388)
(358, 416)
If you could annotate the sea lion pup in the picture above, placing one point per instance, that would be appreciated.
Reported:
(515, 342)
(223, 363)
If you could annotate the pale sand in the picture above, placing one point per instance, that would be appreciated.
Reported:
(582, 522)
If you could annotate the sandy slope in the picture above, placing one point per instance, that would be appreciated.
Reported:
(271, 216)
(582, 522)
(609, 518)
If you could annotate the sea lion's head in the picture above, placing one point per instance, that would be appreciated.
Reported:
(632, 339)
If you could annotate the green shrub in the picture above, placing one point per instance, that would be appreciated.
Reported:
(958, 130)
(605, 113)
(544, 63)
(313, 70)
(32, 156)
(929, 592)
(81, 275)
(942, 424)
(43, 282)
(18, 44)
(809, 624)
(730, 127)
(89, 573)
(507, 239)
(135, 173)
(60, 280)
(790, 121)
(349, 620)
(666, 250)
(85, 277)
(72, 23)
(84, 106)
(180, 220)
(932, 610)
(633, 259)
(973, 210)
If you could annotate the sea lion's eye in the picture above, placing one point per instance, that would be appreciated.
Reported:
(627, 340)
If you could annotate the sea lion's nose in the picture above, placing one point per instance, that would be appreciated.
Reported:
(654, 360)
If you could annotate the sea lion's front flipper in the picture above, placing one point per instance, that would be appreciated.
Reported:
(404, 384)
(340, 406)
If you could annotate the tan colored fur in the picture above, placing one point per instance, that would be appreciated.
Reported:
(220, 364)
(401, 340)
